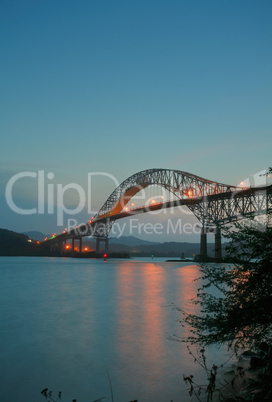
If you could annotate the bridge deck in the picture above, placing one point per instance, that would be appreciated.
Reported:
(255, 200)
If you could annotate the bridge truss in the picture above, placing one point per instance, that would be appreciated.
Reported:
(181, 184)
(211, 202)
(227, 207)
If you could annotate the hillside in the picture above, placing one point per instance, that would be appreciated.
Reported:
(131, 241)
(35, 235)
(19, 244)
(12, 243)
(143, 248)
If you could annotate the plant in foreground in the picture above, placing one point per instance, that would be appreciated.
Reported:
(49, 396)
(240, 314)
(212, 388)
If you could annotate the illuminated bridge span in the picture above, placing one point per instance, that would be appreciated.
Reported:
(211, 202)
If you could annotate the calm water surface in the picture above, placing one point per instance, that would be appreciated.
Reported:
(65, 322)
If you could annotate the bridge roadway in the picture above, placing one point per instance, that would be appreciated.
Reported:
(211, 210)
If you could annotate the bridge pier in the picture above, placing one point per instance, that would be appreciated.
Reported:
(80, 244)
(203, 242)
(217, 244)
(62, 247)
(53, 247)
(102, 239)
(73, 245)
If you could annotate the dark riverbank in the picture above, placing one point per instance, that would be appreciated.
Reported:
(14, 244)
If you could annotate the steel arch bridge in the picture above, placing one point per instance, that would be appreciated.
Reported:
(211, 202)
(181, 184)
(208, 200)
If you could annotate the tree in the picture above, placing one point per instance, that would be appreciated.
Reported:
(241, 316)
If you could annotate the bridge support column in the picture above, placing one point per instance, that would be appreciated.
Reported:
(107, 245)
(80, 244)
(97, 245)
(106, 242)
(203, 243)
(53, 247)
(217, 244)
(73, 245)
(62, 247)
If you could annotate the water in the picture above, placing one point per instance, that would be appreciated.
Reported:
(65, 322)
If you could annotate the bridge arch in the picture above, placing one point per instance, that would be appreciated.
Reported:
(179, 183)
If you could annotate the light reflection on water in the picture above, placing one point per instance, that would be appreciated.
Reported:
(64, 322)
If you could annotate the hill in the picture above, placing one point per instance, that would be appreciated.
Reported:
(35, 235)
(20, 244)
(141, 248)
(166, 249)
(12, 243)
(131, 241)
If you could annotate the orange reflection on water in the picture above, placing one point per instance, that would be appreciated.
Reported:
(126, 299)
(153, 299)
(188, 286)
(140, 318)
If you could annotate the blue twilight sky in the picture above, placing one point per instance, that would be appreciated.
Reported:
(122, 86)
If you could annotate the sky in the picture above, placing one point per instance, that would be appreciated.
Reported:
(119, 87)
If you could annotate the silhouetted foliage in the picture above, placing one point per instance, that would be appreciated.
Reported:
(241, 316)
(237, 312)
(49, 396)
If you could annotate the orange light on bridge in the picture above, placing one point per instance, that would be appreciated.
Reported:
(189, 193)
(86, 249)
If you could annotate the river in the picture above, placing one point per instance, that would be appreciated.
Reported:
(67, 324)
